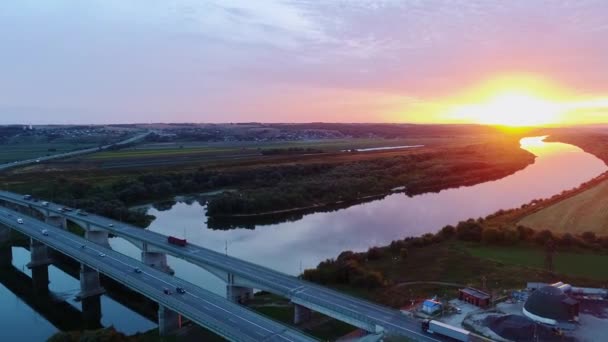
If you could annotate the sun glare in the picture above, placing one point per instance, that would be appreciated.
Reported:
(511, 109)
(510, 101)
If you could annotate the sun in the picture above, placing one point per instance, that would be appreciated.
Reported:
(509, 101)
(512, 108)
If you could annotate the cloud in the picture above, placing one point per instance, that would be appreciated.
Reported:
(222, 59)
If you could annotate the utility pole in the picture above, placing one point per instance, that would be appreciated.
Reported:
(226, 248)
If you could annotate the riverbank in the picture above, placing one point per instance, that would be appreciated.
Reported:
(471, 253)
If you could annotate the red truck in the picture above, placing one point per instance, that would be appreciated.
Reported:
(176, 241)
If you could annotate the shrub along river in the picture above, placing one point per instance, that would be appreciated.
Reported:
(295, 245)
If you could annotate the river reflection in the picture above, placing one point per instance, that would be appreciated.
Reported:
(291, 246)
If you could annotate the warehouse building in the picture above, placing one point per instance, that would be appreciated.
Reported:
(475, 297)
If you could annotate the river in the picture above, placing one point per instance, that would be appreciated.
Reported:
(293, 246)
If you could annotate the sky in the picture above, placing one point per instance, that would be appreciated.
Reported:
(124, 61)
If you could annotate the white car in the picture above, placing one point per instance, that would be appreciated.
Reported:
(20, 220)
(102, 255)
(45, 232)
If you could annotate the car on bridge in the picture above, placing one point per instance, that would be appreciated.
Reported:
(20, 220)
(166, 291)
(45, 232)
(180, 290)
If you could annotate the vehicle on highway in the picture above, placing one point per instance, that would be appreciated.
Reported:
(176, 241)
(137, 270)
(45, 232)
(111, 225)
(180, 290)
(82, 246)
(439, 328)
(46, 204)
(81, 213)
(27, 197)
(166, 291)
(20, 220)
(102, 255)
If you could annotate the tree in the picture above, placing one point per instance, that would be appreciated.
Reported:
(469, 231)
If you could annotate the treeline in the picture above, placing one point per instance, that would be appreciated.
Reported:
(357, 270)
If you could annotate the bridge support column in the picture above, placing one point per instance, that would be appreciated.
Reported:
(39, 254)
(39, 265)
(40, 279)
(168, 321)
(237, 294)
(156, 260)
(91, 312)
(57, 221)
(6, 252)
(301, 314)
(99, 237)
(89, 283)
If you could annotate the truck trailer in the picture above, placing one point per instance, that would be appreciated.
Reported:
(176, 241)
(439, 328)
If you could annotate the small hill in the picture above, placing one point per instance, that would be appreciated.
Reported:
(586, 211)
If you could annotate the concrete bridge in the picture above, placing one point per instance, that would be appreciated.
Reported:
(175, 297)
(241, 277)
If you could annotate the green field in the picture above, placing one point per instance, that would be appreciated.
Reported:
(185, 148)
(586, 265)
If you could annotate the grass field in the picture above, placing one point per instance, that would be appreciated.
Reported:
(586, 211)
(223, 153)
(587, 265)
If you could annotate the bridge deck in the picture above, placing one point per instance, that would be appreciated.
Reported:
(209, 310)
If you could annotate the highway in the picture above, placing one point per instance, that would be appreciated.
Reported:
(299, 291)
(207, 309)
(70, 154)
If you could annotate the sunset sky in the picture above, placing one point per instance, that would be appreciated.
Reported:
(108, 61)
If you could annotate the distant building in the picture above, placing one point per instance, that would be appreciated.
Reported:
(475, 297)
(551, 305)
(431, 306)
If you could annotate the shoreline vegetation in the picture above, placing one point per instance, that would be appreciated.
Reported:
(494, 250)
